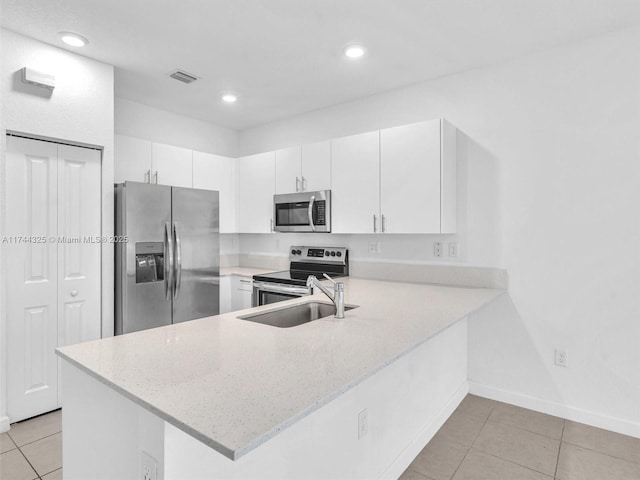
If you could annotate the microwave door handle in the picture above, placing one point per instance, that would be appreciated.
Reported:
(310, 213)
(168, 260)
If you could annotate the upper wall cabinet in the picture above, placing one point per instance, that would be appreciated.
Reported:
(215, 172)
(144, 161)
(355, 183)
(288, 170)
(304, 169)
(418, 178)
(171, 165)
(396, 180)
(256, 186)
(132, 159)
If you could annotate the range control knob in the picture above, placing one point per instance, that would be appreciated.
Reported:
(293, 252)
(326, 253)
(299, 252)
(333, 254)
(338, 254)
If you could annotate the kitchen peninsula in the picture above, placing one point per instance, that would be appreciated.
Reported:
(223, 397)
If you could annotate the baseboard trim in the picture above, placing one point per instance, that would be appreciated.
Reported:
(4, 424)
(614, 424)
(405, 458)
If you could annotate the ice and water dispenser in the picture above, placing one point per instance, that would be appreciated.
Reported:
(149, 262)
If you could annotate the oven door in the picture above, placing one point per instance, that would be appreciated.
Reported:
(302, 212)
(265, 293)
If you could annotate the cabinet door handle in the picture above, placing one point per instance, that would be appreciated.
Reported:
(155, 177)
(382, 222)
(375, 224)
(297, 184)
(272, 224)
(304, 186)
(147, 177)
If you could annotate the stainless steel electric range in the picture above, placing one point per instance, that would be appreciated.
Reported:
(303, 261)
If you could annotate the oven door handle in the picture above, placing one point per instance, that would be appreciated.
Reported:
(310, 213)
(278, 288)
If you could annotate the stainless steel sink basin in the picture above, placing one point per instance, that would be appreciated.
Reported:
(296, 315)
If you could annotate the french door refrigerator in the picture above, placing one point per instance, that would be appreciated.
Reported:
(167, 255)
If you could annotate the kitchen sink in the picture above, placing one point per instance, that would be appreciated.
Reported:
(296, 315)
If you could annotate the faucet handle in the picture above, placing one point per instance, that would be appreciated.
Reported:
(329, 278)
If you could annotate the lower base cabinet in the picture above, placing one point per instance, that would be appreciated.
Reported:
(236, 293)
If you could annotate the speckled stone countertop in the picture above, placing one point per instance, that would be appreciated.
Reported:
(243, 271)
(234, 384)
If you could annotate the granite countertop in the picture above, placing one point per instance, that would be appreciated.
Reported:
(234, 384)
(243, 271)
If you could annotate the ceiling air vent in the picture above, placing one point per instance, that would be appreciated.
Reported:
(183, 76)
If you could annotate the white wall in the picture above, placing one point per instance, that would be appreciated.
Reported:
(149, 123)
(79, 110)
(549, 190)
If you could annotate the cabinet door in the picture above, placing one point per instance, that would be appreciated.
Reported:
(171, 165)
(316, 166)
(256, 186)
(132, 159)
(225, 294)
(355, 183)
(410, 178)
(288, 176)
(215, 172)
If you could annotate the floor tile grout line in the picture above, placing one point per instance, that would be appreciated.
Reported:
(472, 443)
(527, 430)
(555, 473)
(34, 441)
(30, 464)
(514, 463)
(599, 452)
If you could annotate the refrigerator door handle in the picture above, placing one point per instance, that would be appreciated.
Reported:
(178, 259)
(168, 261)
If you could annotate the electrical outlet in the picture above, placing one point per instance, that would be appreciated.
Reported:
(148, 467)
(453, 249)
(363, 423)
(374, 247)
(437, 249)
(561, 357)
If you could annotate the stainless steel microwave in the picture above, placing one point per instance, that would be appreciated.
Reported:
(302, 212)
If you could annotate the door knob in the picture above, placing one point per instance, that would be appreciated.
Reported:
(74, 293)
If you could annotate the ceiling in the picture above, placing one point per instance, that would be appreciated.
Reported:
(284, 57)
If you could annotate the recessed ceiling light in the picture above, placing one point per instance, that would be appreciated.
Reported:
(73, 39)
(229, 98)
(354, 51)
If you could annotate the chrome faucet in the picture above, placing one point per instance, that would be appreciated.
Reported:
(338, 293)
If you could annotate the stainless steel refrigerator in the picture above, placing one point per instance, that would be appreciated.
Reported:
(167, 270)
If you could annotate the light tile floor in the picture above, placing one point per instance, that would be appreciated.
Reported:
(33, 449)
(487, 440)
(482, 440)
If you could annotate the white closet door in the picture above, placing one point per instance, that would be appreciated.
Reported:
(53, 282)
(32, 277)
(78, 263)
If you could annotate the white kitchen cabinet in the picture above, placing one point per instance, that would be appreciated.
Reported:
(225, 294)
(132, 159)
(236, 293)
(144, 161)
(355, 183)
(242, 293)
(316, 166)
(304, 169)
(288, 170)
(171, 165)
(256, 186)
(397, 180)
(417, 178)
(215, 172)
